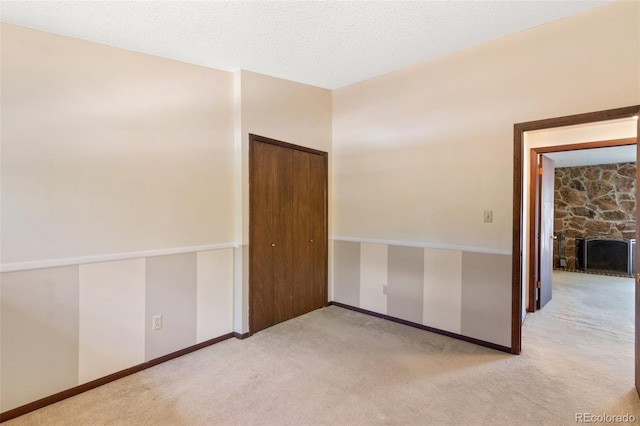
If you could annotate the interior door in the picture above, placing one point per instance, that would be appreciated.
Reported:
(545, 258)
(302, 239)
(262, 187)
(283, 235)
(318, 229)
(309, 222)
(287, 231)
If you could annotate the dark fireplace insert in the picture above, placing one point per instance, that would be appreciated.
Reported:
(606, 255)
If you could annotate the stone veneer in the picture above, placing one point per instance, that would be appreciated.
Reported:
(594, 201)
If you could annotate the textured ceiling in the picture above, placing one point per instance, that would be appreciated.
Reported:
(323, 43)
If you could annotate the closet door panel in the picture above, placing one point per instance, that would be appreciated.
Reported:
(283, 236)
(318, 227)
(262, 185)
(303, 295)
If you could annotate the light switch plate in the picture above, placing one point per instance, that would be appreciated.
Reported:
(488, 216)
(156, 322)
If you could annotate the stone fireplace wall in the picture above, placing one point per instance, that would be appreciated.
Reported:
(593, 201)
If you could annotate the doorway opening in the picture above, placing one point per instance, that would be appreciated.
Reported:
(520, 231)
(567, 191)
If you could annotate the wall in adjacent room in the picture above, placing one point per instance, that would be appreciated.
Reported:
(420, 153)
(593, 201)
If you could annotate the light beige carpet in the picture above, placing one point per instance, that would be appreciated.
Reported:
(337, 367)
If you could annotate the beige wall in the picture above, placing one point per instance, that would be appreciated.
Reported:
(279, 109)
(284, 110)
(108, 155)
(421, 152)
(108, 151)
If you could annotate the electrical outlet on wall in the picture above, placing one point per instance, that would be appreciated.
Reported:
(156, 322)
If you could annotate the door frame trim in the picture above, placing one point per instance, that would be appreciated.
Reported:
(518, 150)
(325, 155)
(264, 139)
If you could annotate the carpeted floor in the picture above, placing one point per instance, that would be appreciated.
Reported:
(338, 367)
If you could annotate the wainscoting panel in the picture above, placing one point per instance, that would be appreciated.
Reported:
(66, 326)
(112, 332)
(458, 291)
(346, 273)
(39, 334)
(406, 283)
(486, 297)
(171, 292)
(214, 294)
(443, 289)
(374, 277)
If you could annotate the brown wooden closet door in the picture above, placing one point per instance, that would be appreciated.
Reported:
(318, 227)
(262, 187)
(309, 232)
(287, 232)
(283, 236)
(302, 300)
